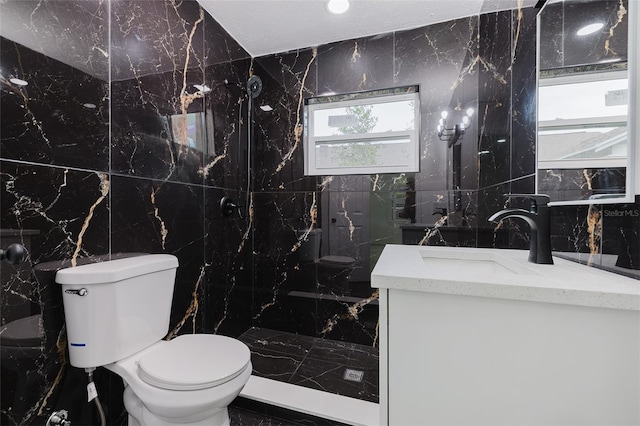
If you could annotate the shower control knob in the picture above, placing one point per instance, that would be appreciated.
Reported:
(58, 418)
(227, 206)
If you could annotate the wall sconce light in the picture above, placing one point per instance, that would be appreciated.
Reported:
(452, 134)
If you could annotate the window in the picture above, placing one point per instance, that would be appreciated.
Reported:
(583, 121)
(363, 133)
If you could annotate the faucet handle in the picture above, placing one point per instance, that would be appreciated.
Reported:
(536, 199)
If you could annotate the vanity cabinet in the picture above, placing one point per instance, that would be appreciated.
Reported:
(502, 352)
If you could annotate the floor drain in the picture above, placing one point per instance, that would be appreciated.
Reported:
(353, 375)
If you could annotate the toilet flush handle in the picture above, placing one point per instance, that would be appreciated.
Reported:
(79, 292)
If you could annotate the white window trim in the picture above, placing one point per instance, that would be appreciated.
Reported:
(582, 123)
(310, 141)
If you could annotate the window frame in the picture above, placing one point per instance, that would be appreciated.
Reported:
(583, 123)
(310, 141)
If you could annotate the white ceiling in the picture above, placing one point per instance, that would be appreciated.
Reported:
(272, 26)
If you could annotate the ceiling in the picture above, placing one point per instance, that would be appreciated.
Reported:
(263, 27)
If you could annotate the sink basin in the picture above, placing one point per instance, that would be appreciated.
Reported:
(472, 265)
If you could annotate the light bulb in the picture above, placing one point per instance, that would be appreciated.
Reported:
(18, 82)
(465, 120)
(338, 6)
(470, 112)
(444, 114)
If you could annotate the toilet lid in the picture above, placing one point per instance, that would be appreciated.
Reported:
(194, 361)
(337, 260)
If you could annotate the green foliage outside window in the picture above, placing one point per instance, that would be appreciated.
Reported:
(357, 154)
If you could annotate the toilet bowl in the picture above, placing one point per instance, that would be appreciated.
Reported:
(189, 380)
(333, 272)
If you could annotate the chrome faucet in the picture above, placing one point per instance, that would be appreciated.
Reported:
(539, 221)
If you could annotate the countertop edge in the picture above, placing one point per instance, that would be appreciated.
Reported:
(618, 296)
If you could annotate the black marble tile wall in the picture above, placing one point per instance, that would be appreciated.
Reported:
(355, 65)
(495, 107)
(443, 60)
(561, 46)
(125, 137)
(522, 138)
(61, 116)
(134, 124)
(581, 184)
(277, 152)
(155, 65)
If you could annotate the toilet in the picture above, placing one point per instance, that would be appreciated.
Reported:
(117, 313)
(333, 272)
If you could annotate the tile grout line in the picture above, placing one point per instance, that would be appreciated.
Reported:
(315, 339)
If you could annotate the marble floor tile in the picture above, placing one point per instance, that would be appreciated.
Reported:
(338, 367)
(338, 379)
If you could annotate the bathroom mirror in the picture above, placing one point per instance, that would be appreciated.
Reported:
(585, 146)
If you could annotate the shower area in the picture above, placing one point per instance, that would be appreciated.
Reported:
(314, 314)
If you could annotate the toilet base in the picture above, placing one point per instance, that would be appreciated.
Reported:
(140, 416)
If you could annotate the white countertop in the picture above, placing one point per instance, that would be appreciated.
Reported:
(502, 274)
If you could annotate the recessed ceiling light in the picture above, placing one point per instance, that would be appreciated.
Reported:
(18, 82)
(501, 140)
(89, 105)
(338, 6)
(590, 29)
(266, 108)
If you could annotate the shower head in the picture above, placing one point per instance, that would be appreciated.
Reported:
(254, 86)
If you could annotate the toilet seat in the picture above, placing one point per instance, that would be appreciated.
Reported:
(193, 362)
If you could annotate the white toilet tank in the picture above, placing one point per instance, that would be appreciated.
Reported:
(116, 308)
